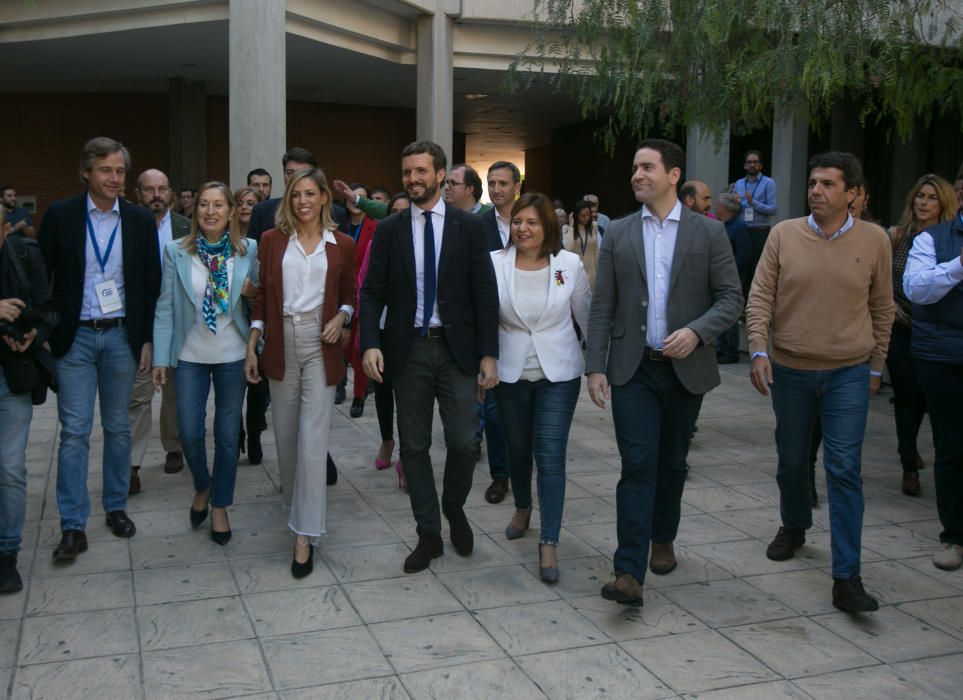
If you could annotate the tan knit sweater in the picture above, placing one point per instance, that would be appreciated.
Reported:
(824, 304)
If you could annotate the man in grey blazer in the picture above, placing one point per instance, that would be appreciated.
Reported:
(665, 288)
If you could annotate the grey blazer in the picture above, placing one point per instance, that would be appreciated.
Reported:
(704, 295)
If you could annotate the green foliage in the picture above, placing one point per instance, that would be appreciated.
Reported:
(712, 63)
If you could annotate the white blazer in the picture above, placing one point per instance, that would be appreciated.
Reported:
(556, 344)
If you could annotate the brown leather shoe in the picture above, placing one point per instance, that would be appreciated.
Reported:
(134, 487)
(662, 560)
(911, 484)
(174, 462)
(625, 589)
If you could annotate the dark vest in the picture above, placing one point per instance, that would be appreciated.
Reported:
(938, 327)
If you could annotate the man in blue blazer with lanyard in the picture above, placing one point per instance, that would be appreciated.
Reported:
(101, 252)
(430, 266)
(665, 289)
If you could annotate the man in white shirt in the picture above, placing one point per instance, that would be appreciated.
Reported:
(154, 193)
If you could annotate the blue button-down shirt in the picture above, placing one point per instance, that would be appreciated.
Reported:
(763, 191)
(658, 238)
(925, 281)
(103, 223)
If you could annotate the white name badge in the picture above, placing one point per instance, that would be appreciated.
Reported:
(747, 216)
(109, 296)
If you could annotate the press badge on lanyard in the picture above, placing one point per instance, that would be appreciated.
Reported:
(107, 293)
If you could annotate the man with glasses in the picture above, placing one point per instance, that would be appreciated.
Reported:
(463, 188)
(758, 194)
(154, 193)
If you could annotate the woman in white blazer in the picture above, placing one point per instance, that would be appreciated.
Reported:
(540, 365)
(200, 331)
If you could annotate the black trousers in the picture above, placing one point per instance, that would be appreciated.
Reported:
(385, 407)
(431, 373)
(757, 236)
(943, 386)
(910, 401)
(258, 396)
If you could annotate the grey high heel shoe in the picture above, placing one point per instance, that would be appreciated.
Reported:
(549, 574)
(514, 533)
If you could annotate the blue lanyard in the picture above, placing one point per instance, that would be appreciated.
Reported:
(758, 182)
(357, 231)
(102, 259)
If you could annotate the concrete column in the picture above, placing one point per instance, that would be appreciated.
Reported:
(790, 154)
(435, 80)
(188, 133)
(707, 160)
(257, 88)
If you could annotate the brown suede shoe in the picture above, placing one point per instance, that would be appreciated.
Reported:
(911, 484)
(134, 487)
(625, 589)
(174, 462)
(662, 560)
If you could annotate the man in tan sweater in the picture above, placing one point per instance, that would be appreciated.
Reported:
(822, 299)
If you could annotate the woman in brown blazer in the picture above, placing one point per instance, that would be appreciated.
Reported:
(304, 301)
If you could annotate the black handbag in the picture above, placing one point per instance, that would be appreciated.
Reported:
(23, 371)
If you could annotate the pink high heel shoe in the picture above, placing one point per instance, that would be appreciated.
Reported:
(381, 464)
(402, 482)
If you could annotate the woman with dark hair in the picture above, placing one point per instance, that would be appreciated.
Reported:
(582, 238)
(384, 392)
(930, 201)
(200, 329)
(540, 288)
(304, 302)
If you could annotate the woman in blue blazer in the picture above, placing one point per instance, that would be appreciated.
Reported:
(200, 330)
(541, 287)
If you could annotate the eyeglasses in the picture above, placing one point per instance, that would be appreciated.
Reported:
(752, 162)
(155, 190)
(452, 183)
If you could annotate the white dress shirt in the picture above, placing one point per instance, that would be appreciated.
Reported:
(164, 234)
(531, 296)
(504, 227)
(103, 223)
(659, 241)
(418, 239)
(925, 281)
(200, 345)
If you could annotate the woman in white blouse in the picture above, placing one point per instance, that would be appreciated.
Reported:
(540, 288)
(303, 303)
(200, 330)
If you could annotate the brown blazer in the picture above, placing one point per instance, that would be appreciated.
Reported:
(339, 289)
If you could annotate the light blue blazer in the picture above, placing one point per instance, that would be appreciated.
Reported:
(176, 311)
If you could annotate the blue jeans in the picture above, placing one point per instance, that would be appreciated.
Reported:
(840, 398)
(97, 362)
(490, 424)
(538, 416)
(16, 410)
(653, 415)
(193, 383)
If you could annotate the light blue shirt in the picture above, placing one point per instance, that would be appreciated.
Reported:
(103, 223)
(846, 227)
(925, 281)
(763, 191)
(658, 238)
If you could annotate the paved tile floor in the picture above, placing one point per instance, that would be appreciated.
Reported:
(169, 614)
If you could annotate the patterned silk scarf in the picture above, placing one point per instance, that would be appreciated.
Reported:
(216, 296)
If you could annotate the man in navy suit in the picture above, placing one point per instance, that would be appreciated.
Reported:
(102, 254)
(430, 266)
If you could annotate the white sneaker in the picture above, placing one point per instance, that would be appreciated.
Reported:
(948, 557)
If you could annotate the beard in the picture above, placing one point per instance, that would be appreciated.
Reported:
(431, 189)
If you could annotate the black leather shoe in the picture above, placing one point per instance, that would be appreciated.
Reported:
(255, 454)
(10, 581)
(72, 543)
(340, 394)
(299, 569)
(198, 517)
(429, 547)
(357, 408)
(221, 538)
(850, 596)
(332, 472)
(785, 543)
(462, 538)
(120, 524)
(497, 491)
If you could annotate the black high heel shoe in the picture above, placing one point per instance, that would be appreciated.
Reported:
(299, 570)
(198, 516)
(221, 538)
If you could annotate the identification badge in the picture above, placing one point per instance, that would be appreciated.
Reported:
(747, 216)
(108, 296)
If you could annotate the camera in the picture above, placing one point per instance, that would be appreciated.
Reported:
(28, 319)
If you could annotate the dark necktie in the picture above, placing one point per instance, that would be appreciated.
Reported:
(430, 283)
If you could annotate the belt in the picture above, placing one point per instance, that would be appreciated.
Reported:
(653, 355)
(102, 324)
(433, 332)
